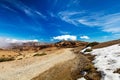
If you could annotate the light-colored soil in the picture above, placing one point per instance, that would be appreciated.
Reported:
(71, 70)
(7, 53)
(61, 71)
(17, 55)
(26, 69)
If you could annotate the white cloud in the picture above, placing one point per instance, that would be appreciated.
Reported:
(65, 37)
(84, 37)
(5, 42)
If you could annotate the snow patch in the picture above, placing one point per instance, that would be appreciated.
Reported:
(107, 60)
(81, 78)
(83, 51)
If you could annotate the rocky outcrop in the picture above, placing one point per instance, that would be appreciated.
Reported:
(70, 44)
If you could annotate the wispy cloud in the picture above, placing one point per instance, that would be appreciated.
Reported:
(106, 22)
(70, 16)
(7, 7)
(63, 32)
(65, 37)
(40, 14)
(85, 22)
(27, 10)
(52, 14)
(114, 36)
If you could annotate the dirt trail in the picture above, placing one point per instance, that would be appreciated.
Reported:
(26, 69)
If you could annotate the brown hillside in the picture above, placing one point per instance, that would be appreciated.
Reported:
(105, 44)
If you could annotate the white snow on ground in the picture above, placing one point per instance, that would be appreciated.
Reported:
(81, 78)
(85, 49)
(107, 60)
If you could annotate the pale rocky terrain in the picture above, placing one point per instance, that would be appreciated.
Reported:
(26, 69)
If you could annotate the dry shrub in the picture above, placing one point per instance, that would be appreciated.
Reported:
(42, 54)
(3, 59)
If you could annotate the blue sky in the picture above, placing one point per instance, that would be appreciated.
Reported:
(51, 20)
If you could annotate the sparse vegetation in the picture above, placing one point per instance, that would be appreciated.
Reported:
(117, 71)
(3, 59)
(3, 55)
(88, 67)
(42, 54)
(92, 44)
(1, 49)
(88, 50)
(9, 56)
(19, 58)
